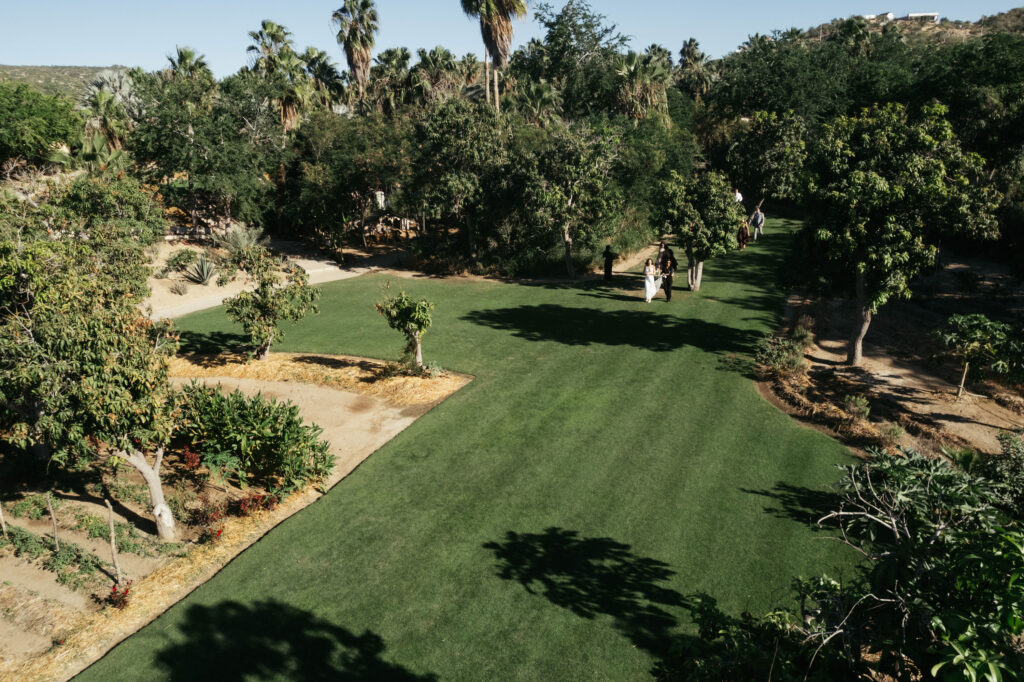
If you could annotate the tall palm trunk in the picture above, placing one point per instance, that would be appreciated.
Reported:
(487, 77)
(497, 102)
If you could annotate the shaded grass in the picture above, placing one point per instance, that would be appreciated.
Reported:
(596, 422)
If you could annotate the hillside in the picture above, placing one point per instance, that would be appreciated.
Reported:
(948, 30)
(53, 80)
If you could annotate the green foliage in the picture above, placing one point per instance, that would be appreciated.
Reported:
(767, 159)
(979, 343)
(1008, 469)
(884, 188)
(75, 567)
(126, 536)
(31, 124)
(779, 356)
(261, 311)
(35, 507)
(181, 259)
(201, 272)
(412, 318)
(857, 406)
(703, 215)
(253, 439)
(244, 244)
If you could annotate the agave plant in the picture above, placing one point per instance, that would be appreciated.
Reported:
(201, 272)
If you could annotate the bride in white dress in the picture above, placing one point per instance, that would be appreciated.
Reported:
(651, 281)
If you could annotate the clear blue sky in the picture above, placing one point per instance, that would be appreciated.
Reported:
(143, 32)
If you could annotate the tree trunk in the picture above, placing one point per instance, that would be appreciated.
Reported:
(497, 102)
(470, 238)
(151, 474)
(419, 349)
(113, 544)
(263, 351)
(53, 518)
(487, 77)
(567, 243)
(3, 522)
(855, 352)
(698, 275)
(963, 380)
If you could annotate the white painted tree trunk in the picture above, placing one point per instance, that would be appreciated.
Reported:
(694, 274)
(151, 474)
(487, 77)
(419, 350)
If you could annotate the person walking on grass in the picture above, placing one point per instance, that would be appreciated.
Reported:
(756, 223)
(609, 258)
(668, 267)
(652, 282)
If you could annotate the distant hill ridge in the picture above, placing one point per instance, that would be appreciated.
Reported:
(56, 80)
(944, 31)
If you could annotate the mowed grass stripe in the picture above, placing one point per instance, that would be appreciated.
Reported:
(591, 412)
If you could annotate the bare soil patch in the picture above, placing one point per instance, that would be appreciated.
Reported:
(899, 376)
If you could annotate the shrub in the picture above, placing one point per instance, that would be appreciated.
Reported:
(966, 459)
(119, 598)
(890, 435)
(253, 438)
(1008, 469)
(778, 356)
(856, 406)
(179, 288)
(201, 272)
(34, 507)
(803, 332)
(255, 502)
(181, 259)
(242, 243)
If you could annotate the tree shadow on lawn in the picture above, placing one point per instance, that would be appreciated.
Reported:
(638, 328)
(798, 503)
(271, 640)
(594, 577)
(211, 343)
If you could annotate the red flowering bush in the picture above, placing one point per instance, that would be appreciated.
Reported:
(255, 502)
(119, 598)
(191, 459)
(211, 534)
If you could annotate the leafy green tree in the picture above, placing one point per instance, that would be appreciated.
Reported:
(767, 159)
(567, 190)
(261, 311)
(461, 147)
(883, 188)
(412, 318)
(705, 218)
(31, 123)
(977, 341)
(83, 371)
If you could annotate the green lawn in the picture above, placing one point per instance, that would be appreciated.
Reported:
(544, 523)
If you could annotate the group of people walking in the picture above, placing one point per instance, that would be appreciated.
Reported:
(660, 271)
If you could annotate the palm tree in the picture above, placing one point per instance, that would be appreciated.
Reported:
(469, 66)
(113, 106)
(538, 102)
(186, 63)
(357, 22)
(269, 43)
(695, 73)
(436, 75)
(643, 85)
(389, 79)
(324, 75)
(496, 29)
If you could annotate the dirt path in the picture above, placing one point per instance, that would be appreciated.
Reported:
(165, 303)
(974, 418)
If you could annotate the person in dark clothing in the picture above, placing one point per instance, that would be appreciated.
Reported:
(609, 258)
(668, 267)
